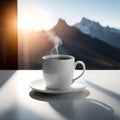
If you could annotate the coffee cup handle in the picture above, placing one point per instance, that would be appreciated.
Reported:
(84, 68)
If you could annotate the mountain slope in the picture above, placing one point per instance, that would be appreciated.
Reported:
(94, 29)
(94, 52)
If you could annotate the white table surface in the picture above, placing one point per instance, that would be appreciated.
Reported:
(99, 101)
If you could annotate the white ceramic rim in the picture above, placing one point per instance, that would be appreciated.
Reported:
(60, 55)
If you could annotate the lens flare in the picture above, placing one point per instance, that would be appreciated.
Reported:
(33, 18)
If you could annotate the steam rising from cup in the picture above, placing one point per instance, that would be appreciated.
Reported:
(56, 41)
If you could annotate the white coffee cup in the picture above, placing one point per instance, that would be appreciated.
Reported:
(58, 71)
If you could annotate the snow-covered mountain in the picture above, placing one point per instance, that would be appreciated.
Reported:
(95, 53)
(95, 30)
(113, 29)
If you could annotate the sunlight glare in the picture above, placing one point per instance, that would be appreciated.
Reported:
(34, 18)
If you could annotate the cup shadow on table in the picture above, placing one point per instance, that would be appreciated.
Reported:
(75, 106)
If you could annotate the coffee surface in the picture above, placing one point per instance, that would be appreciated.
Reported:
(59, 58)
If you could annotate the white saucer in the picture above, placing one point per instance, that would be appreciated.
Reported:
(40, 86)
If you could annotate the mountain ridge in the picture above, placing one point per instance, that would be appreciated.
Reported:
(96, 53)
(95, 30)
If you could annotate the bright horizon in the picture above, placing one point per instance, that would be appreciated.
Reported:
(39, 14)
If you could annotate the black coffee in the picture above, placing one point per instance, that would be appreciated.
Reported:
(60, 58)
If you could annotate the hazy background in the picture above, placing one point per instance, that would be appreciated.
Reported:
(104, 11)
(87, 29)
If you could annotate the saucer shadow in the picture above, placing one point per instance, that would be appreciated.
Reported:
(75, 106)
(67, 96)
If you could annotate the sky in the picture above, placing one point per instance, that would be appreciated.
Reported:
(47, 12)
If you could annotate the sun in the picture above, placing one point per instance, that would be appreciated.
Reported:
(33, 18)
